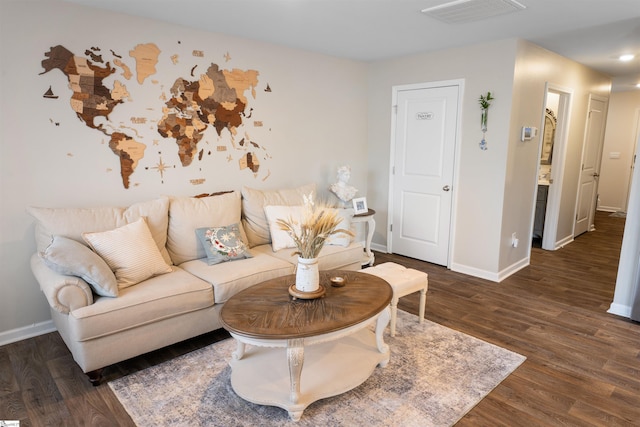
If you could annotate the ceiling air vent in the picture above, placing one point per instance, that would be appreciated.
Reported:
(459, 11)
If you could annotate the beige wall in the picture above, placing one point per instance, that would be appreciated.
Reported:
(617, 155)
(478, 186)
(314, 121)
(534, 68)
(495, 189)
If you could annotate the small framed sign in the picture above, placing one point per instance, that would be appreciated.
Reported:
(360, 205)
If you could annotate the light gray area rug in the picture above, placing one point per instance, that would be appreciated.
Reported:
(434, 377)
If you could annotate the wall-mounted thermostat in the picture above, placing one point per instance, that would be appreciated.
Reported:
(528, 133)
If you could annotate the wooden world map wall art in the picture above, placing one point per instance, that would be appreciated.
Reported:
(213, 99)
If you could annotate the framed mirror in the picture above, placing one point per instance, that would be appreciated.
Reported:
(548, 136)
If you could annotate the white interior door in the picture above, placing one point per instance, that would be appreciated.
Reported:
(422, 172)
(588, 188)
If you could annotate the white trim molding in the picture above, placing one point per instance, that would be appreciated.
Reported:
(19, 334)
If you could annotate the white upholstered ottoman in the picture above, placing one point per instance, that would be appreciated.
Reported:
(404, 281)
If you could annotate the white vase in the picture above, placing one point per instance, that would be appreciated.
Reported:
(307, 275)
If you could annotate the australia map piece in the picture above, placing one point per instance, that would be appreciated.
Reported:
(217, 99)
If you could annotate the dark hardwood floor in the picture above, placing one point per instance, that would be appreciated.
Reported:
(582, 367)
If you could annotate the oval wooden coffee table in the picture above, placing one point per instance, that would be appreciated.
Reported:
(331, 336)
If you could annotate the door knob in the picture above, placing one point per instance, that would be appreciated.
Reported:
(595, 175)
(446, 188)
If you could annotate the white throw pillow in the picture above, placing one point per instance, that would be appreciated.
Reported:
(130, 252)
(280, 239)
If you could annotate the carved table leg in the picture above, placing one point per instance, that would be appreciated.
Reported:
(295, 358)
(381, 324)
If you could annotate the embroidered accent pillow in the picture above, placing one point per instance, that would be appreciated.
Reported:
(130, 252)
(222, 244)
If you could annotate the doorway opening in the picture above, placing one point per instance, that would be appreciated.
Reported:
(553, 147)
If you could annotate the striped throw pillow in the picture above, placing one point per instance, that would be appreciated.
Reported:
(130, 252)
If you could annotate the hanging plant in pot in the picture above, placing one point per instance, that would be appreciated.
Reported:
(309, 233)
(485, 103)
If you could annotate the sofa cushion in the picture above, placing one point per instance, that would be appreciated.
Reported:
(160, 297)
(66, 256)
(331, 256)
(254, 219)
(222, 244)
(230, 278)
(187, 214)
(72, 222)
(130, 251)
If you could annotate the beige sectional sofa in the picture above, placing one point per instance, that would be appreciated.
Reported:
(125, 281)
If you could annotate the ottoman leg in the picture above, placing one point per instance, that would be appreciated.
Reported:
(394, 313)
(423, 302)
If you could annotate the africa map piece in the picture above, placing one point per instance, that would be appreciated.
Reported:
(217, 99)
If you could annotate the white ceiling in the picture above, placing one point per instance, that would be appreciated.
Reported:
(592, 32)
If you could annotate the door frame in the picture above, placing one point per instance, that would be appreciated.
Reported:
(456, 153)
(634, 160)
(552, 214)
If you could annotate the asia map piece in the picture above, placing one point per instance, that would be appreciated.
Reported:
(215, 99)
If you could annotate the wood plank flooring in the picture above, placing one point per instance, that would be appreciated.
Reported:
(582, 367)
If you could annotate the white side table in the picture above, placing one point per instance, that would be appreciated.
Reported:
(370, 225)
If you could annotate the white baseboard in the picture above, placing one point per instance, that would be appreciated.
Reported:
(490, 275)
(475, 272)
(513, 268)
(19, 334)
(379, 248)
(562, 243)
(620, 310)
(609, 209)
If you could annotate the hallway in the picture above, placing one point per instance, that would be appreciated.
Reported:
(582, 363)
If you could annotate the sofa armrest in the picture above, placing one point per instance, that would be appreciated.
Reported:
(64, 293)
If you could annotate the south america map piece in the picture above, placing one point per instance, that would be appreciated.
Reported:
(49, 94)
